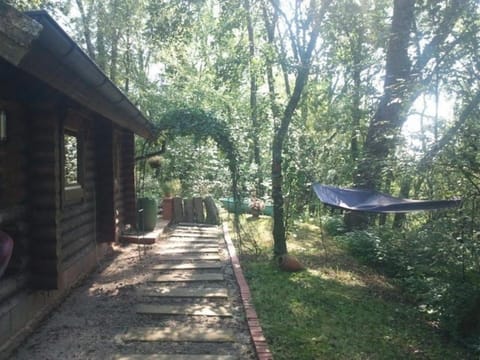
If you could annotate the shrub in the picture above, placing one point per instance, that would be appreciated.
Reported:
(333, 224)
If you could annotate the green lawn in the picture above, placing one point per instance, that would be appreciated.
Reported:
(337, 308)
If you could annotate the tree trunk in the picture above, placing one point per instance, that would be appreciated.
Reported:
(279, 236)
(385, 125)
(86, 21)
(253, 101)
(356, 48)
(101, 49)
(400, 87)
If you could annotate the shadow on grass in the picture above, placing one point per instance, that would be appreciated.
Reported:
(308, 315)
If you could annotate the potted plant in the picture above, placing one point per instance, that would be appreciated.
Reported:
(155, 162)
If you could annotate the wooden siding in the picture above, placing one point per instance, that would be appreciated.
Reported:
(45, 199)
(104, 181)
(13, 198)
(125, 207)
(78, 231)
(128, 177)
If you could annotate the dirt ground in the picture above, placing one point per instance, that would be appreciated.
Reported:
(90, 322)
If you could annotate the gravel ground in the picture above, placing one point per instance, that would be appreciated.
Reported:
(90, 322)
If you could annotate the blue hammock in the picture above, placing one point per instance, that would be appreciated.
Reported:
(372, 201)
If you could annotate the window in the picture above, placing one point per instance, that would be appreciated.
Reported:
(72, 168)
(71, 159)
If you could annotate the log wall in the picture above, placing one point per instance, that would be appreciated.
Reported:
(105, 212)
(125, 200)
(78, 230)
(45, 196)
(56, 242)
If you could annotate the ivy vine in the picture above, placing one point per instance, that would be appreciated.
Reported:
(202, 125)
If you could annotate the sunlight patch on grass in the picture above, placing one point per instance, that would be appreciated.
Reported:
(342, 276)
(337, 308)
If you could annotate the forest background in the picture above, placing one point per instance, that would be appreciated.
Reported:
(380, 94)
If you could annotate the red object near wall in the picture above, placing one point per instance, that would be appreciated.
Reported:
(167, 208)
(6, 249)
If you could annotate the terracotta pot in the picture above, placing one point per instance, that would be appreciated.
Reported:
(290, 263)
(167, 208)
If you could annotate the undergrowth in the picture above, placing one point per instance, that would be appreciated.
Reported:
(339, 308)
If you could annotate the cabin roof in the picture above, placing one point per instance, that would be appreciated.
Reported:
(35, 43)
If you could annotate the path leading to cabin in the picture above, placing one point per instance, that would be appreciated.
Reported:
(176, 299)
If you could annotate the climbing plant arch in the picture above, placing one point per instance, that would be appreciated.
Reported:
(202, 125)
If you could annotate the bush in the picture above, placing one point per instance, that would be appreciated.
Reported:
(333, 224)
(434, 267)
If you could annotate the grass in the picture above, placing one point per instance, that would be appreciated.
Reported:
(337, 308)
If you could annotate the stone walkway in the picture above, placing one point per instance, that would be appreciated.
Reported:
(189, 291)
(175, 299)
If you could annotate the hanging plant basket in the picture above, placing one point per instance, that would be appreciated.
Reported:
(155, 161)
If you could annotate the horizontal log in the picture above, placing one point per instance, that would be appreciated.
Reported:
(73, 212)
(11, 285)
(12, 214)
(77, 246)
(81, 231)
(42, 172)
(42, 232)
(44, 187)
(44, 281)
(44, 249)
(67, 262)
(44, 266)
(46, 202)
(43, 219)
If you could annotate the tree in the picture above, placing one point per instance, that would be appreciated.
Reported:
(303, 46)
(405, 76)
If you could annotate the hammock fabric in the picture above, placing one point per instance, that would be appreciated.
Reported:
(372, 201)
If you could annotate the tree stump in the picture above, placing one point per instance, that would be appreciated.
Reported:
(212, 211)
(177, 210)
(188, 210)
(198, 210)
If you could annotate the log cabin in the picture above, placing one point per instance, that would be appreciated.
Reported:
(66, 166)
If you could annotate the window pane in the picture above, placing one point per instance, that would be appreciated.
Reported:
(71, 159)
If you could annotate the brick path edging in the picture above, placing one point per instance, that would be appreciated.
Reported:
(256, 332)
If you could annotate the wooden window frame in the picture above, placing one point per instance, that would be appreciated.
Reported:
(73, 193)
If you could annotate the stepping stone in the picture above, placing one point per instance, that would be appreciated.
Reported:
(185, 293)
(196, 225)
(195, 235)
(181, 242)
(190, 237)
(183, 309)
(175, 240)
(181, 276)
(149, 237)
(189, 266)
(184, 250)
(195, 333)
(175, 357)
(184, 257)
(188, 244)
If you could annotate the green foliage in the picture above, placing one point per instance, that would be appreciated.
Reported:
(190, 55)
(202, 126)
(436, 265)
(332, 224)
(337, 308)
(172, 187)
